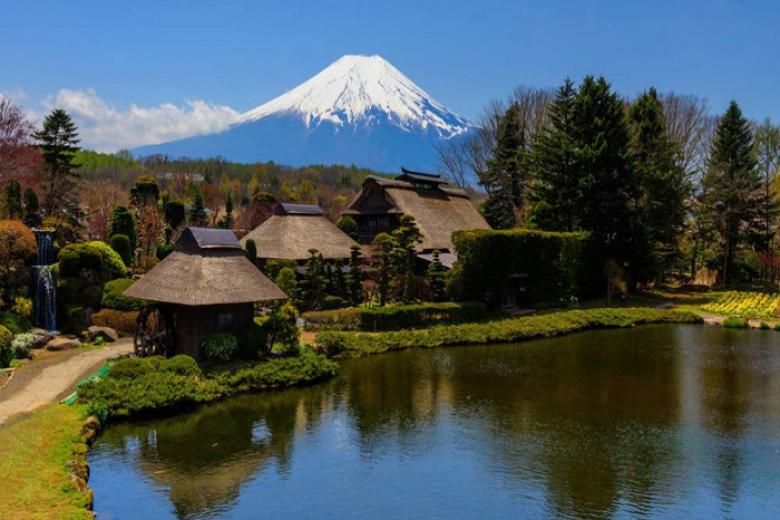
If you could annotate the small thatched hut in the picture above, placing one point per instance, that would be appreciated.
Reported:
(438, 209)
(206, 285)
(293, 230)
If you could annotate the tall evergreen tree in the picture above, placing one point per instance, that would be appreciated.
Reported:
(122, 223)
(381, 254)
(732, 185)
(12, 200)
(58, 140)
(197, 213)
(506, 177)
(556, 190)
(662, 181)
(355, 276)
(437, 278)
(406, 236)
(32, 216)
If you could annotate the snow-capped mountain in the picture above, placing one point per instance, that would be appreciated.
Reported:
(359, 110)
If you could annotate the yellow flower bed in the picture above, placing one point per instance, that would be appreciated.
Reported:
(745, 304)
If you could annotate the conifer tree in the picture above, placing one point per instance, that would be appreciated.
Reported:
(122, 223)
(12, 200)
(354, 279)
(250, 249)
(58, 140)
(32, 216)
(506, 176)
(437, 275)
(732, 185)
(381, 254)
(405, 237)
(312, 287)
(197, 213)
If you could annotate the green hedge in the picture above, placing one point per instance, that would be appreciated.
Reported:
(487, 258)
(136, 387)
(114, 299)
(497, 331)
(396, 317)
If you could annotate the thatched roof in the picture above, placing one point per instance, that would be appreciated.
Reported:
(294, 230)
(207, 267)
(439, 211)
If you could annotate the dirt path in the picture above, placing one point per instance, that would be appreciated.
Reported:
(54, 377)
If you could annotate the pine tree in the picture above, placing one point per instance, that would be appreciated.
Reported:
(32, 216)
(12, 200)
(354, 278)
(122, 223)
(662, 182)
(732, 185)
(250, 249)
(556, 192)
(437, 276)
(227, 220)
(58, 140)
(312, 287)
(405, 237)
(506, 176)
(381, 254)
(197, 213)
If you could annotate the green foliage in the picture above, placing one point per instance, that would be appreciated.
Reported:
(58, 140)
(145, 191)
(220, 347)
(250, 249)
(348, 225)
(553, 262)
(163, 250)
(281, 326)
(354, 278)
(174, 213)
(197, 213)
(122, 223)
(20, 346)
(15, 323)
(6, 351)
(764, 326)
(735, 323)
(75, 258)
(272, 267)
(114, 299)
(181, 364)
(437, 278)
(135, 387)
(404, 255)
(75, 318)
(121, 244)
(12, 200)
(31, 207)
(396, 317)
(22, 307)
(287, 282)
(499, 331)
(312, 286)
(381, 258)
(334, 302)
(253, 339)
(111, 259)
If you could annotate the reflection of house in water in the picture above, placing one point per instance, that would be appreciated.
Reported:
(438, 209)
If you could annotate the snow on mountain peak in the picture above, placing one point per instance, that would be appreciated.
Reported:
(362, 89)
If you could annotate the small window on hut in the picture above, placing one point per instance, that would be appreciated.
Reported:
(224, 321)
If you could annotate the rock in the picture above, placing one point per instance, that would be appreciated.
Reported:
(94, 332)
(58, 344)
(41, 337)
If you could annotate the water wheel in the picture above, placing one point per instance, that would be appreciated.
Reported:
(153, 333)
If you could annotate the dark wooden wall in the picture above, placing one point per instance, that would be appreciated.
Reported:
(193, 324)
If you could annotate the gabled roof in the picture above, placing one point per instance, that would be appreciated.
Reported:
(412, 176)
(216, 273)
(290, 236)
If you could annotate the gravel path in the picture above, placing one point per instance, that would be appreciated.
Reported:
(48, 380)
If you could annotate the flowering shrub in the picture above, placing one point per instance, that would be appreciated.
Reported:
(20, 346)
(744, 304)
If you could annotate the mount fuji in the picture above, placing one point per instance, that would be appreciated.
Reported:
(359, 110)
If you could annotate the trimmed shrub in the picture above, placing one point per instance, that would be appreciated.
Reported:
(348, 226)
(252, 340)
(111, 259)
(220, 347)
(396, 317)
(121, 321)
(487, 258)
(181, 364)
(273, 267)
(6, 352)
(131, 368)
(735, 323)
(497, 331)
(114, 299)
(121, 244)
(74, 258)
(21, 344)
(15, 323)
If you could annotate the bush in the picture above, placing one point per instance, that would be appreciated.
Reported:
(331, 302)
(121, 244)
(20, 346)
(281, 326)
(75, 318)
(487, 258)
(765, 326)
(497, 331)
(23, 307)
(273, 267)
(75, 258)
(220, 347)
(18, 243)
(252, 340)
(396, 317)
(111, 259)
(735, 323)
(114, 299)
(131, 368)
(181, 364)
(6, 352)
(348, 226)
(15, 323)
(121, 321)
(163, 250)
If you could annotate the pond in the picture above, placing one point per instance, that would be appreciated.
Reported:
(660, 421)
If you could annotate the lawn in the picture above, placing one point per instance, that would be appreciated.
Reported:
(34, 455)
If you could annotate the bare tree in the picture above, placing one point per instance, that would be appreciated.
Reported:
(20, 159)
(692, 128)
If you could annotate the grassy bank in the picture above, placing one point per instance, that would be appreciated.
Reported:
(38, 456)
(136, 387)
(356, 344)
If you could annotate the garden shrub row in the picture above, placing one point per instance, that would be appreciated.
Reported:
(396, 317)
(135, 387)
(498, 331)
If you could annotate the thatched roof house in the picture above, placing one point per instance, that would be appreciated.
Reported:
(206, 285)
(294, 229)
(438, 209)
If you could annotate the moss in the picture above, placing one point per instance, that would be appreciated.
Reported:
(735, 323)
(497, 331)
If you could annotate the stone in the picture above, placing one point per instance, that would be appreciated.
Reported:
(94, 332)
(41, 337)
(58, 344)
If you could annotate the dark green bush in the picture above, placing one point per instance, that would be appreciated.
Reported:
(765, 326)
(252, 340)
(75, 319)
(163, 250)
(121, 244)
(112, 260)
(334, 302)
(497, 331)
(6, 352)
(131, 368)
(74, 258)
(487, 258)
(15, 323)
(220, 347)
(114, 299)
(396, 317)
(181, 364)
(735, 323)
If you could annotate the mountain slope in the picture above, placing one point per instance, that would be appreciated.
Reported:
(359, 110)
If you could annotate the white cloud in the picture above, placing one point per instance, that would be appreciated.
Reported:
(105, 128)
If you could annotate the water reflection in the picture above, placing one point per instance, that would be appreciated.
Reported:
(660, 421)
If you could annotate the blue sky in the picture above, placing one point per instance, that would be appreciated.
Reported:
(241, 54)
